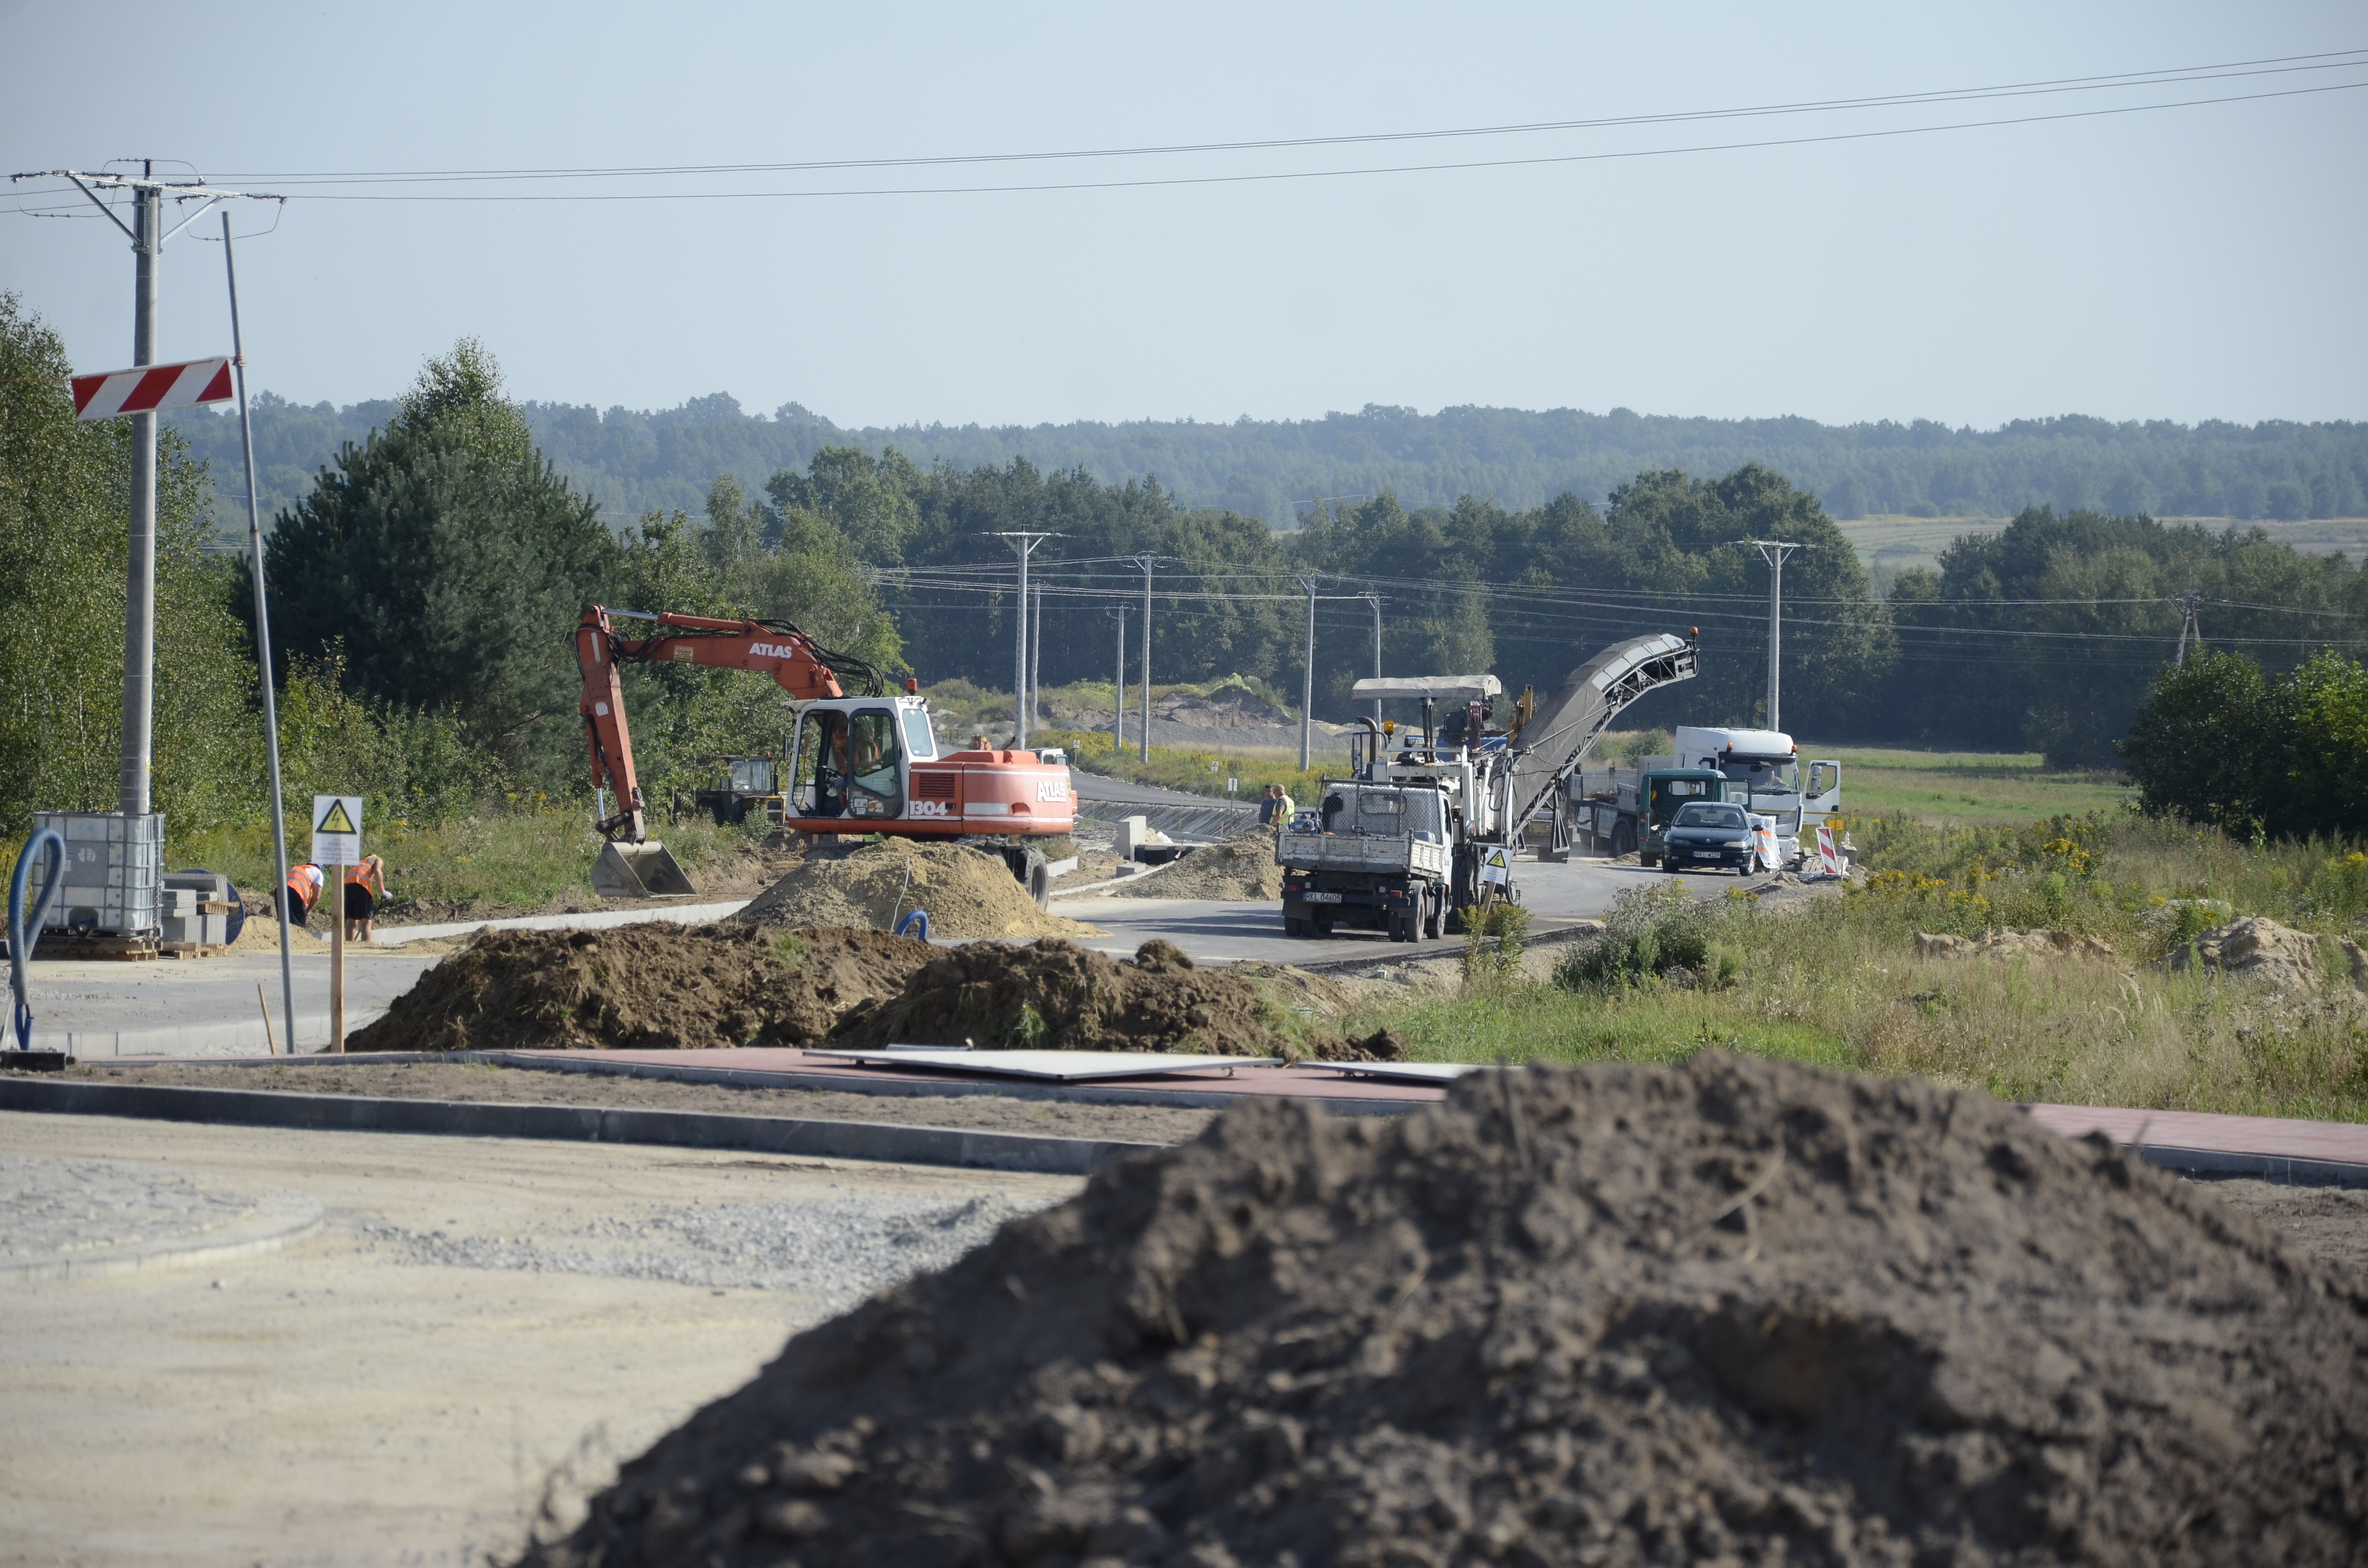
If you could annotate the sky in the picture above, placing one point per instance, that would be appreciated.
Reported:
(2185, 263)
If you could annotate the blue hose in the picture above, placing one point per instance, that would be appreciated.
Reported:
(24, 933)
(915, 923)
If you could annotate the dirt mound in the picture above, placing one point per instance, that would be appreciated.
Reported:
(1382, 1045)
(1243, 867)
(2261, 950)
(652, 987)
(966, 892)
(1995, 943)
(1737, 1312)
(1054, 995)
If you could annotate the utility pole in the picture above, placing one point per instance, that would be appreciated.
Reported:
(1036, 657)
(2187, 627)
(1146, 561)
(1023, 545)
(1375, 600)
(1118, 712)
(147, 233)
(263, 653)
(1307, 681)
(1773, 552)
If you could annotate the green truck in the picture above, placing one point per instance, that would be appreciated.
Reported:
(1609, 814)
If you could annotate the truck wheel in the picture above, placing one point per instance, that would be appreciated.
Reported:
(1623, 841)
(1433, 917)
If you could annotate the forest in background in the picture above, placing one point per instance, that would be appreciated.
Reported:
(424, 583)
(1278, 470)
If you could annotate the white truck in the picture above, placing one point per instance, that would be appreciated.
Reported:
(1763, 774)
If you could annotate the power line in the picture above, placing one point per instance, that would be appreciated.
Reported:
(1282, 175)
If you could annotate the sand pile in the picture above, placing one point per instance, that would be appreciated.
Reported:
(260, 934)
(1243, 867)
(2261, 949)
(657, 986)
(1055, 996)
(1997, 943)
(1737, 1312)
(966, 891)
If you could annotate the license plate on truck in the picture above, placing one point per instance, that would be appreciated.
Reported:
(1321, 897)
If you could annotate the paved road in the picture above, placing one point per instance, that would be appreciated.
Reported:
(1555, 895)
(176, 1006)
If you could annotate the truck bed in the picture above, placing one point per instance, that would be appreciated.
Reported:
(1352, 852)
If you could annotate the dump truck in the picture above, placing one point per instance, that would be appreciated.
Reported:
(1379, 858)
(1623, 811)
(1460, 790)
(864, 763)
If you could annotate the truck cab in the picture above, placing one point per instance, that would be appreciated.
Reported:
(1664, 791)
(1762, 769)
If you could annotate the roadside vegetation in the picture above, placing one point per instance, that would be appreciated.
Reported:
(1838, 981)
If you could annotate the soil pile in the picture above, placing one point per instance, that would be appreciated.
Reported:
(1243, 867)
(966, 892)
(2261, 950)
(653, 987)
(2034, 943)
(1055, 996)
(1737, 1312)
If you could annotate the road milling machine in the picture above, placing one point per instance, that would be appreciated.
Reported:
(857, 764)
(1426, 824)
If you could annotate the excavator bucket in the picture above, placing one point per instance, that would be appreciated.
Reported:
(638, 870)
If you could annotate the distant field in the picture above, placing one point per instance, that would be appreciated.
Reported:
(1896, 543)
(1988, 788)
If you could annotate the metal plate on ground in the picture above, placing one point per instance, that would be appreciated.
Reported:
(1403, 1072)
(1048, 1066)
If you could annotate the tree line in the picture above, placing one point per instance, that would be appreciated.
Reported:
(424, 587)
(633, 461)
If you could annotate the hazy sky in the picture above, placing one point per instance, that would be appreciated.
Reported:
(2192, 263)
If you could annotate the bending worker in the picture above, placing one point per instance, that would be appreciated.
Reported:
(365, 885)
(303, 891)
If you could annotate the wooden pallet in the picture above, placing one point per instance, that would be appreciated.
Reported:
(191, 950)
(127, 950)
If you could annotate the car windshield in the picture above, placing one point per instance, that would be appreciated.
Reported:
(1704, 814)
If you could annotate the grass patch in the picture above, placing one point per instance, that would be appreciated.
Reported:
(1193, 770)
(1988, 788)
(487, 861)
(1838, 981)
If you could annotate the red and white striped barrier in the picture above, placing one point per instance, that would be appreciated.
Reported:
(152, 389)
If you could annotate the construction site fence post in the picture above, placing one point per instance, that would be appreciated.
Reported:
(335, 898)
(263, 653)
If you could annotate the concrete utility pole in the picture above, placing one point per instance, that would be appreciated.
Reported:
(1118, 712)
(2188, 629)
(1036, 657)
(147, 233)
(1307, 681)
(1146, 561)
(1773, 552)
(1023, 545)
(1375, 600)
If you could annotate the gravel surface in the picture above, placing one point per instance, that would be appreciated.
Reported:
(55, 1208)
(468, 1080)
(835, 1249)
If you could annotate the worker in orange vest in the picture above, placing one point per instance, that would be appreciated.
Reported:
(365, 885)
(303, 891)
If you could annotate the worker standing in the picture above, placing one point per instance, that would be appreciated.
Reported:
(303, 891)
(365, 885)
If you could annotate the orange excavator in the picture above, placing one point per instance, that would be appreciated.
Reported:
(859, 764)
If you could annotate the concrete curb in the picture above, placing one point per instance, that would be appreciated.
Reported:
(2278, 1168)
(235, 1037)
(587, 1124)
(280, 1217)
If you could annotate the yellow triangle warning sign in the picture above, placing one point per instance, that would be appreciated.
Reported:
(335, 819)
(1496, 857)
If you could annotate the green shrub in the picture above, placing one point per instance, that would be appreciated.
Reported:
(1492, 942)
(1655, 932)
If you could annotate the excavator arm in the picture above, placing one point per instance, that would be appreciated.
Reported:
(795, 663)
